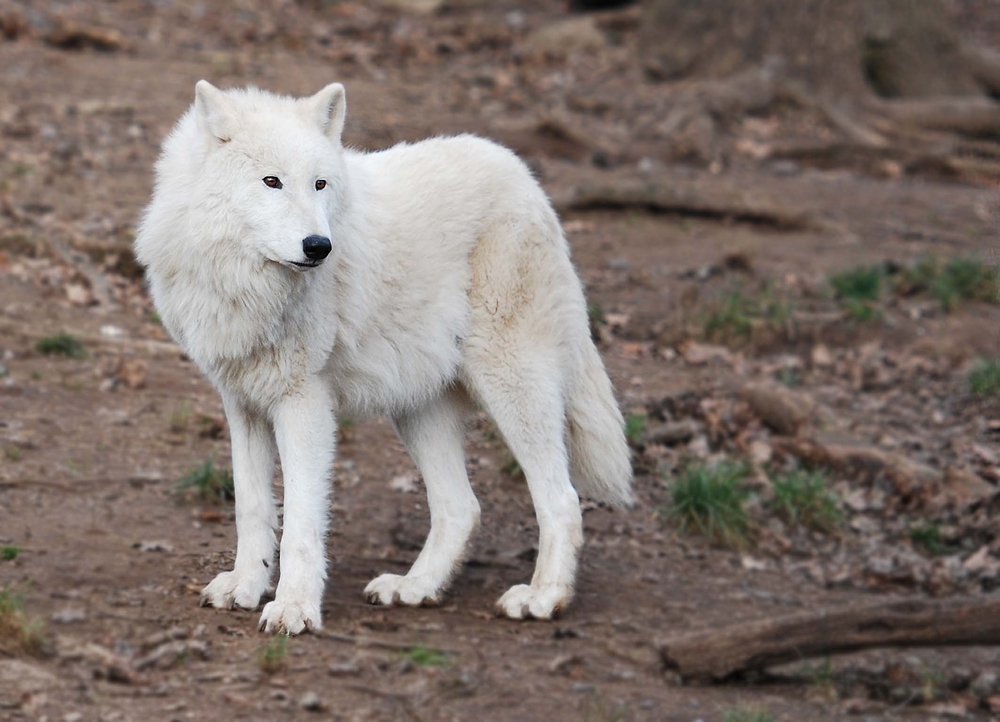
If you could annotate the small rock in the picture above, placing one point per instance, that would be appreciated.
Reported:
(311, 702)
(760, 452)
(132, 373)
(79, 295)
(782, 409)
(985, 685)
(153, 546)
(344, 669)
(699, 354)
(564, 37)
(68, 616)
(405, 483)
(674, 432)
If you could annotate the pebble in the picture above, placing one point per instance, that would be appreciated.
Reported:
(68, 616)
(311, 702)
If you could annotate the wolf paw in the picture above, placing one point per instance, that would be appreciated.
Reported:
(527, 602)
(391, 589)
(229, 590)
(289, 617)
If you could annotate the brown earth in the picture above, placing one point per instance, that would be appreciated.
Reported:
(112, 558)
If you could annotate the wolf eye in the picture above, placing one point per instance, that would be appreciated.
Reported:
(272, 181)
(320, 185)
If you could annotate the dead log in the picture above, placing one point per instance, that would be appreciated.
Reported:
(721, 653)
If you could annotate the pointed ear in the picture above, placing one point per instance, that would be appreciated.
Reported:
(212, 109)
(330, 107)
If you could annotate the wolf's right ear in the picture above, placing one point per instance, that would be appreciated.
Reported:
(330, 106)
(211, 108)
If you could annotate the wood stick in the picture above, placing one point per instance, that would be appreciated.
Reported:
(720, 653)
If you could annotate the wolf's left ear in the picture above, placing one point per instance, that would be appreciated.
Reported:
(330, 107)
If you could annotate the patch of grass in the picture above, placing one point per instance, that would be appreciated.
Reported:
(740, 315)
(748, 715)
(12, 452)
(803, 498)
(861, 311)
(154, 317)
(600, 711)
(790, 376)
(60, 345)
(966, 279)
(10, 553)
(917, 278)
(733, 318)
(272, 657)
(423, 656)
(927, 536)
(512, 468)
(209, 483)
(960, 279)
(863, 283)
(709, 500)
(984, 380)
(180, 418)
(18, 634)
(595, 316)
(635, 427)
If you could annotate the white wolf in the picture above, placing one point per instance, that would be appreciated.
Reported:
(308, 280)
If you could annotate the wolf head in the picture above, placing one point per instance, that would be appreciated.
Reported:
(249, 176)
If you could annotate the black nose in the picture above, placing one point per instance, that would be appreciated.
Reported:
(316, 248)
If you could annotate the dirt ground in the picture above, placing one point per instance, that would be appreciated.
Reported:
(111, 557)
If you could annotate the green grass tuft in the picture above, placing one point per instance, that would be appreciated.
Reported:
(748, 715)
(739, 315)
(18, 634)
(927, 536)
(709, 500)
(60, 345)
(10, 553)
(966, 279)
(12, 452)
(180, 418)
(803, 498)
(423, 656)
(984, 380)
(863, 283)
(272, 657)
(635, 427)
(209, 483)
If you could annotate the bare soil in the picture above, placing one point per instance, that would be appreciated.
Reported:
(112, 557)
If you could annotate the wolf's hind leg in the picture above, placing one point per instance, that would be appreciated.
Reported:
(523, 395)
(256, 518)
(433, 438)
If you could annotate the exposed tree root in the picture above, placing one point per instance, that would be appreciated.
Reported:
(720, 653)
(706, 196)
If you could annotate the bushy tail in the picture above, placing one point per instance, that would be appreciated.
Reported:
(600, 461)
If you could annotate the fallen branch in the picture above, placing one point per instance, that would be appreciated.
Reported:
(721, 653)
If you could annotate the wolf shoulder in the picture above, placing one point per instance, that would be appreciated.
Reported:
(452, 168)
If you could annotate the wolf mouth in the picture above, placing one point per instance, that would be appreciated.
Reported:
(307, 264)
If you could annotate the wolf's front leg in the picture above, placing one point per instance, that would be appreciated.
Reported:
(256, 519)
(305, 431)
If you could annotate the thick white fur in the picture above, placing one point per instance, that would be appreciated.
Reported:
(449, 280)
